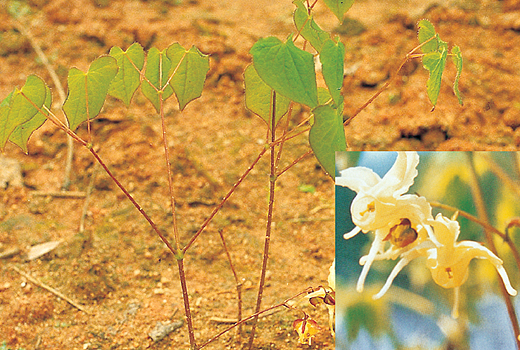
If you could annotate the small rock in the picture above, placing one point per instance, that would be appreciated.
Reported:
(433, 137)
(511, 21)
(10, 173)
(371, 77)
(13, 42)
(511, 117)
(41, 249)
(159, 291)
(161, 330)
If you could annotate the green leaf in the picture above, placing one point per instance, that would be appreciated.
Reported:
(307, 188)
(307, 27)
(286, 69)
(339, 7)
(158, 67)
(435, 62)
(4, 116)
(20, 136)
(20, 106)
(87, 91)
(189, 69)
(426, 32)
(457, 59)
(259, 97)
(327, 136)
(332, 58)
(127, 80)
(6, 101)
(324, 96)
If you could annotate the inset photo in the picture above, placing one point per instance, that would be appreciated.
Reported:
(427, 250)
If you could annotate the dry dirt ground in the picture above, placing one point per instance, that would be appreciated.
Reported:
(118, 269)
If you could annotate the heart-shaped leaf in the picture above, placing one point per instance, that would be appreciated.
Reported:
(158, 71)
(20, 106)
(307, 27)
(457, 59)
(21, 134)
(332, 58)
(435, 62)
(327, 136)
(128, 79)
(339, 7)
(87, 91)
(286, 69)
(259, 98)
(189, 69)
(427, 32)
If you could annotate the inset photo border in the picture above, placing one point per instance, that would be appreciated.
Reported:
(427, 250)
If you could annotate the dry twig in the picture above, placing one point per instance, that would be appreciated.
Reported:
(59, 194)
(50, 289)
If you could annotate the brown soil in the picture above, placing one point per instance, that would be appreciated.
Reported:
(118, 269)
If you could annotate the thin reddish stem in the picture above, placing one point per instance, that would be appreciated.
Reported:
(221, 204)
(255, 315)
(481, 208)
(295, 162)
(267, 239)
(485, 225)
(239, 285)
(409, 56)
(179, 255)
(169, 174)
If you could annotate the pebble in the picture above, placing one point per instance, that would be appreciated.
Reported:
(161, 330)
(10, 173)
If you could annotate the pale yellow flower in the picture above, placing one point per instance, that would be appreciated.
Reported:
(447, 259)
(307, 329)
(327, 296)
(382, 206)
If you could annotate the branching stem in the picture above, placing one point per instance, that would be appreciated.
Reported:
(267, 239)
(255, 315)
(237, 281)
(177, 253)
(169, 174)
(409, 55)
(226, 197)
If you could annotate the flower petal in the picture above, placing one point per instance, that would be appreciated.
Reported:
(445, 230)
(400, 177)
(332, 275)
(352, 233)
(374, 249)
(371, 213)
(480, 252)
(502, 272)
(358, 179)
(407, 257)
